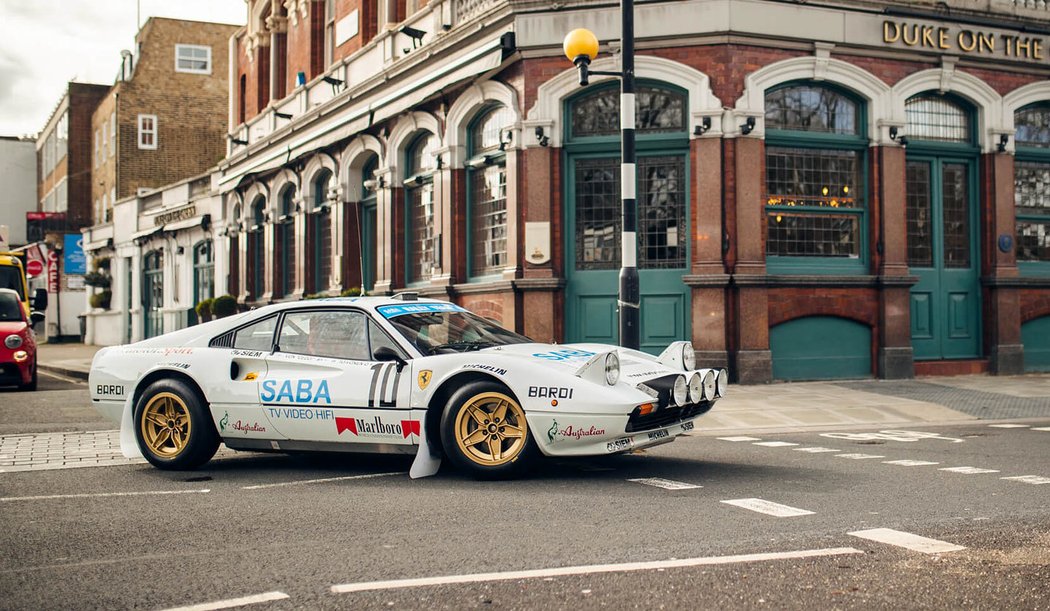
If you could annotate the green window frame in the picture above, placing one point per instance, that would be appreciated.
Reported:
(321, 234)
(420, 232)
(285, 228)
(816, 131)
(1032, 188)
(487, 194)
(256, 249)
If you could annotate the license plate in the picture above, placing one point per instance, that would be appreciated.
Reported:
(687, 426)
(619, 445)
(658, 435)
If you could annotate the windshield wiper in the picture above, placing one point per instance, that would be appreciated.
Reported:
(465, 346)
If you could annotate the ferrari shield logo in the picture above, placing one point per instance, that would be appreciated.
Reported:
(424, 378)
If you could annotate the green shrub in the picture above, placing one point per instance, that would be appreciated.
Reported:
(204, 308)
(353, 291)
(97, 279)
(101, 299)
(224, 306)
(316, 296)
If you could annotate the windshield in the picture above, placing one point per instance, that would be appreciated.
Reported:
(10, 307)
(442, 328)
(11, 278)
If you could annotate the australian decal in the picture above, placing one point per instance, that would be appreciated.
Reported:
(551, 392)
(555, 433)
(240, 425)
(295, 391)
(375, 427)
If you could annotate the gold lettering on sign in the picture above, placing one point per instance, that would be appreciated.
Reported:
(891, 32)
(914, 40)
(967, 40)
(987, 42)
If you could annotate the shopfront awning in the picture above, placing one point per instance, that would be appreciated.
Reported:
(146, 234)
(98, 245)
(201, 221)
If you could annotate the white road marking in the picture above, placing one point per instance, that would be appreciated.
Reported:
(816, 450)
(910, 463)
(234, 602)
(49, 497)
(666, 484)
(62, 377)
(769, 508)
(907, 540)
(741, 438)
(967, 470)
(588, 570)
(1029, 479)
(1041, 428)
(907, 436)
(775, 444)
(1008, 426)
(859, 456)
(321, 481)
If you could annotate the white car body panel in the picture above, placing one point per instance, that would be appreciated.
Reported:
(278, 400)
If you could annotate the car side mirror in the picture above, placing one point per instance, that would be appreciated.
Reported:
(35, 318)
(386, 353)
(40, 299)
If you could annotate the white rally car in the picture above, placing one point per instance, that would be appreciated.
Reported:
(400, 374)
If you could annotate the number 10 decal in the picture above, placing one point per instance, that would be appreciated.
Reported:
(383, 370)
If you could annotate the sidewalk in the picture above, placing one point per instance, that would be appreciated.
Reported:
(801, 404)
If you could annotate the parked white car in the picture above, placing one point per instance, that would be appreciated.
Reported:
(402, 375)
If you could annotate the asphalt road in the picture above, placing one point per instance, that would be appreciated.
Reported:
(295, 526)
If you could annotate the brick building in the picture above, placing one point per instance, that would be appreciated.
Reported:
(853, 189)
(164, 118)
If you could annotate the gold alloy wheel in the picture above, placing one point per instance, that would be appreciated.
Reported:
(166, 425)
(491, 429)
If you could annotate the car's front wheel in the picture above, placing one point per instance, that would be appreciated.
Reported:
(172, 426)
(484, 432)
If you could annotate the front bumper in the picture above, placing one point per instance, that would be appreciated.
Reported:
(595, 435)
(12, 373)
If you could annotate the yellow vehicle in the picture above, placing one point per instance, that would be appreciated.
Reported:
(13, 276)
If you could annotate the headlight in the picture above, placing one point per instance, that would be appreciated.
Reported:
(688, 356)
(612, 369)
(13, 341)
(710, 382)
(21, 356)
(723, 381)
(696, 388)
(680, 392)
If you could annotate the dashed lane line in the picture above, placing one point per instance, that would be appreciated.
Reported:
(97, 495)
(858, 456)
(968, 470)
(910, 463)
(1008, 426)
(816, 450)
(907, 540)
(740, 438)
(768, 508)
(588, 570)
(666, 484)
(1029, 479)
(234, 602)
(303, 482)
(1041, 428)
(774, 444)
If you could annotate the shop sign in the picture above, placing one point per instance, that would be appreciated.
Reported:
(181, 214)
(52, 272)
(964, 40)
(73, 253)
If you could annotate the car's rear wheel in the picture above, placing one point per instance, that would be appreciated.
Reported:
(484, 432)
(172, 426)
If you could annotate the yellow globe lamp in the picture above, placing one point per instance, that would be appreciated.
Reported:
(580, 45)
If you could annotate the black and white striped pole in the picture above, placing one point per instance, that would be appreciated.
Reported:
(581, 46)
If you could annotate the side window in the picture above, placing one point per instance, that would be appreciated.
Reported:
(331, 334)
(377, 339)
(258, 336)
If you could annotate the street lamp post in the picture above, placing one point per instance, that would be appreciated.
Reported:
(581, 47)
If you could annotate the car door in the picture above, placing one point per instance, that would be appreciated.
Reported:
(230, 371)
(323, 385)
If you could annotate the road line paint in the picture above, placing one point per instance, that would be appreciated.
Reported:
(817, 450)
(8, 499)
(768, 508)
(859, 456)
(907, 540)
(1041, 428)
(588, 570)
(234, 602)
(967, 470)
(1029, 479)
(910, 463)
(321, 481)
(666, 484)
(775, 444)
(1008, 426)
(741, 438)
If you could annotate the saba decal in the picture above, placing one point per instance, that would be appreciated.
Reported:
(377, 428)
(570, 432)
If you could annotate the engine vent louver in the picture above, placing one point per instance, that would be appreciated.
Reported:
(223, 341)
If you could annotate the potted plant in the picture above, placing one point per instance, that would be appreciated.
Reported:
(101, 299)
(203, 309)
(351, 292)
(224, 306)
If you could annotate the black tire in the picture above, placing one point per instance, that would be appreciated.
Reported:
(173, 426)
(502, 451)
(31, 386)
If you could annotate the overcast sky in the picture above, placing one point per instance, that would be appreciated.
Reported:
(44, 44)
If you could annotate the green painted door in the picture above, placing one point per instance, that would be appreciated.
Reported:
(943, 254)
(820, 348)
(1035, 335)
(593, 248)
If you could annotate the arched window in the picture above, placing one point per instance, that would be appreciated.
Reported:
(321, 234)
(285, 234)
(1032, 187)
(816, 216)
(256, 263)
(419, 208)
(368, 223)
(657, 110)
(487, 192)
(938, 118)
